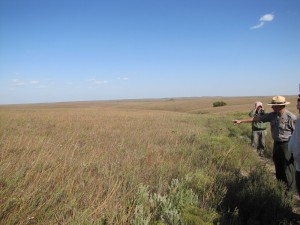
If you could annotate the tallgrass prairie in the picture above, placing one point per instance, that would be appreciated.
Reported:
(84, 162)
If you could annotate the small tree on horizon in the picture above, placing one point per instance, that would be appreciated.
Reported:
(219, 103)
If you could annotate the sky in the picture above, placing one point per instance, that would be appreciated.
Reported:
(71, 50)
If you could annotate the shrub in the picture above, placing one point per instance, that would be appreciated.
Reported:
(219, 103)
(197, 216)
(257, 199)
(179, 206)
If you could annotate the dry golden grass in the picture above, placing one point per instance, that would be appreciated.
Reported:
(72, 163)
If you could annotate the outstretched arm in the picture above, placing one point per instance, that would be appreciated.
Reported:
(249, 120)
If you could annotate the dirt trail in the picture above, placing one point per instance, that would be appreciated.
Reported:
(268, 163)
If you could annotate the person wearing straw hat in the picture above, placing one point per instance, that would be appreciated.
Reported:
(282, 126)
(259, 129)
(294, 147)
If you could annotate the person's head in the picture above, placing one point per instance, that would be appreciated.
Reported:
(258, 105)
(278, 104)
(278, 108)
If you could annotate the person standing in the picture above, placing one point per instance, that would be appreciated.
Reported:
(294, 147)
(259, 132)
(282, 126)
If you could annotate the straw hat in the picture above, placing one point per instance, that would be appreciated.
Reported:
(278, 100)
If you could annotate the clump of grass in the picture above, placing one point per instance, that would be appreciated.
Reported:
(256, 199)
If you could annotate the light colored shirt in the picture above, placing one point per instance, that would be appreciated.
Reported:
(282, 126)
(294, 144)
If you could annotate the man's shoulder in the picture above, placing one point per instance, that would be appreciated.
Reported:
(263, 112)
(268, 113)
(266, 117)
(290, 115)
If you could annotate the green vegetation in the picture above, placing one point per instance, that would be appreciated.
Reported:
(219, 103)
(133, 163)
(257, 199)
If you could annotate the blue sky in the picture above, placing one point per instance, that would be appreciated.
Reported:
(63, 50)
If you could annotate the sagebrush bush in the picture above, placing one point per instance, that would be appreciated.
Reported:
(180, 205)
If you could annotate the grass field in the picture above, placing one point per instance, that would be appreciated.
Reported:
(94, 162)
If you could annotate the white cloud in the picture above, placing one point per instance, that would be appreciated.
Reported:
(123, 78)
(98, 82)
(17, 82)
(265, 18)
(258, 25)
(34, 82)
(42, 86)
(101, 82)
